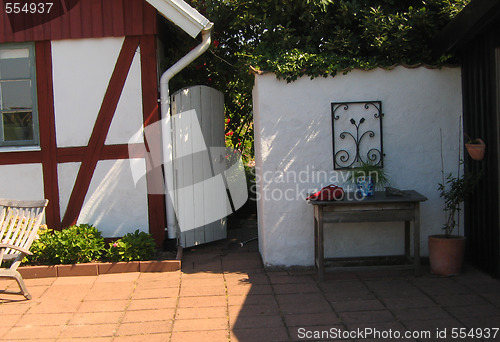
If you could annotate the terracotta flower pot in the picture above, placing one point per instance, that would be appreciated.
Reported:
(446, 254)
(476, 151)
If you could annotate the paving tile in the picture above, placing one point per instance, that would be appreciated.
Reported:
(142, 284)
(75, 280)
(459, 300)
(352, 318)
(56, 306)
(246, 278)
(203, 291)
(322, 319)
(473, 311)
(393, 288)
(408, 302)
(67, 291)
(160, 292)
(259, 334)
(212, 282)
(96, 318)
(357, 305)
(103, 305)
(48, 319)
(31, 333)
(307, 303)
(149, 315)
(431, 325)
(250, 300)
(290, 279)
(202, 275)
(249, 290)
(493, 298)
(13, 308)
(197, 336)
(440, 286)
(39, 282)
(202, 301)
(89, 330)
(247, 322)
(156, 303)
(427, 313)
(210, 312)
(129, 277)
(295, 288)
(161, 337)
(9, 320)
(200, 324)
(151, 327)
(490, 322)
(343, 287)
(254, 310)
(352, 295)
(161, 276)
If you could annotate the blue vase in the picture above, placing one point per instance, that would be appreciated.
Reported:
(365, 186)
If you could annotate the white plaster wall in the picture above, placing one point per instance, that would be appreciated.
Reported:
(23, 182)
(82, 69)
(114, 203)
(293, 137)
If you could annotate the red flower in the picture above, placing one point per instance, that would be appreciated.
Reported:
(216, 43)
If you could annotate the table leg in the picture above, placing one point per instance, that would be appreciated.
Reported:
(321, 245)
(315, 227)
(416, 240)
(407, 241)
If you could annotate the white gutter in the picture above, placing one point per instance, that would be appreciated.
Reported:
(168, 156)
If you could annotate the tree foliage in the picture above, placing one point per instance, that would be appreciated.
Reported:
(294, 38)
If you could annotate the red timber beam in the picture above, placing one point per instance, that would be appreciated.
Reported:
(96, 142)
(47, 125)
(151, 114)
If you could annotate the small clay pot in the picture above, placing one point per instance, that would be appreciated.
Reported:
(476, 151)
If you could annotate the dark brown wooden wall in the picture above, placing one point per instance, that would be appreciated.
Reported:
(73, 19)
(480, 104)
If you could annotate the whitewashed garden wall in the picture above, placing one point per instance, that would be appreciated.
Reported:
(294, 155)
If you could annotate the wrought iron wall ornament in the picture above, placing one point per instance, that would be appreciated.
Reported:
(357, 134)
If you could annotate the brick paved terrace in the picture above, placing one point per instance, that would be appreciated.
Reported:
(224, 294)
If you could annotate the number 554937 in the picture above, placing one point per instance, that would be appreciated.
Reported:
(28, 8)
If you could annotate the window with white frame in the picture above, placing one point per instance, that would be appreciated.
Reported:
(18, 114)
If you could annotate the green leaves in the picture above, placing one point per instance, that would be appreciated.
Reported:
(76, 244)
(135, 246)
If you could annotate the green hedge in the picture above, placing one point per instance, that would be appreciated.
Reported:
(84, 243)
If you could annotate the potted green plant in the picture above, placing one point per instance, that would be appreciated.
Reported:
(368, 177)
(446, 251)
(475, 148)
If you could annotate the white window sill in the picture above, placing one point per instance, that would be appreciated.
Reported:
(19, 149)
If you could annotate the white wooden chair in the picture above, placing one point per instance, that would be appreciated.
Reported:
(19, 223)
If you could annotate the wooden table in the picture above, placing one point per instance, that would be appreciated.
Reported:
(378, 208)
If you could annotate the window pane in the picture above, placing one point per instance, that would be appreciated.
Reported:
(18, 126)
(14, 68)
(16, 95)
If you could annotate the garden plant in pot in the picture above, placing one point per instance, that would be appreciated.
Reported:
(368, 177)
(446, 251)
(475, 148)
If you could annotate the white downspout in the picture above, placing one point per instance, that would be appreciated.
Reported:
(168, 156)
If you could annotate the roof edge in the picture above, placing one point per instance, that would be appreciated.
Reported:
(466, 24)
(182, 15)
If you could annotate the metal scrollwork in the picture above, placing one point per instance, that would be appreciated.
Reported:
(357, 134)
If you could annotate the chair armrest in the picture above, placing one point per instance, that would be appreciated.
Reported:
(20, 249)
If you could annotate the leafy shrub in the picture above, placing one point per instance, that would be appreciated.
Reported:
(132, 247)
(76, 244)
